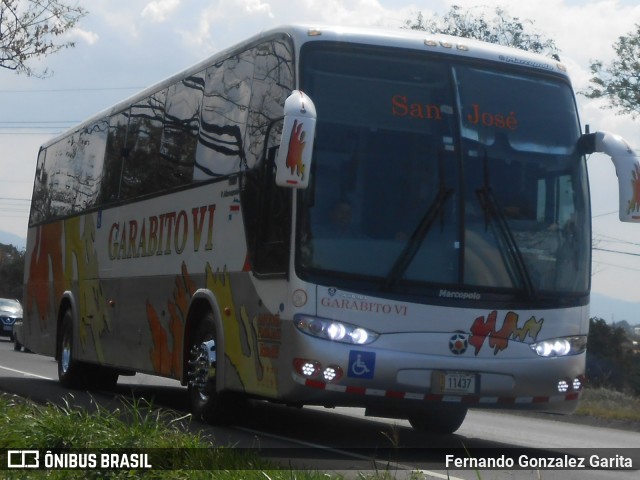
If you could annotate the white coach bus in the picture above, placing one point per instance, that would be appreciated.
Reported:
(410, 235)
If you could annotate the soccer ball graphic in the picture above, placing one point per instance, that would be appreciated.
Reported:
(458, 344)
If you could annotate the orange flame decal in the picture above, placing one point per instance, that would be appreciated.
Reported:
(64, 253)
(499, 339)
(296, 147)
(46, 262)
(166, 360)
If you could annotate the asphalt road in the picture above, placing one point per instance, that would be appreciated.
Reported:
(344, 440)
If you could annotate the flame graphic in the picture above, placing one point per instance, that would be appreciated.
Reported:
(499, 339)
(245, 367)
(65, 253)
(296, 147)
(166, 360)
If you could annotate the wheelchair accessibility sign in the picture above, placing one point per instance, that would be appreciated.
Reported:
(361, 364)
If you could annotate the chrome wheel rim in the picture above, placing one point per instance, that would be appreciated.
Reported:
(65, 356)
(202, 368)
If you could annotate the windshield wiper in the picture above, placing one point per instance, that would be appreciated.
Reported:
(417, 237)
(493, 210)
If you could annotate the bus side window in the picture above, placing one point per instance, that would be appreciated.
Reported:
(267, 213)
(59, 177)
(88, 165)
(227, 91)
(180, 135)
(140, 171)
(113, 157)
(272, 84)
(266, 207)
(41, 193)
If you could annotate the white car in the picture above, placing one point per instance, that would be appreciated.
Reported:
(10, 312)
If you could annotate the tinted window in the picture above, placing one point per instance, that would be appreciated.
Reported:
(41, 194)
(267, 208)
(225, 109)
(384, 157)
(445, 174)
(69, 173)
(140, 173)
(272, 84)
(182, 121)
(114, 155)
(210, 118)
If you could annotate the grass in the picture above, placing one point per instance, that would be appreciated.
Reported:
(139, 426)
(607, 404)
(135, 426)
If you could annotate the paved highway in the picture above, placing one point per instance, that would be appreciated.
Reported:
(343, 439)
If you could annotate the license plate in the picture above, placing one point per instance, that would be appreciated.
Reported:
(7, 328)
(458, 383)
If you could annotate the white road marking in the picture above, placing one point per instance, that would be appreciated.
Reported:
(27, 374)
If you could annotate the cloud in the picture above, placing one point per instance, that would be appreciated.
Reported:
(86, 36)
(256, 6)
(358, 12)
(217, 25)
(158, 11)
(118, 22)
(224, 22)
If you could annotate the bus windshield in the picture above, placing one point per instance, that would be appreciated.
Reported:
(430, 173)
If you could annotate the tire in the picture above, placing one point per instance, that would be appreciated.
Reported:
(79, 375)
(17, 346)
(441, 419)
(206, 402)
(71, 373)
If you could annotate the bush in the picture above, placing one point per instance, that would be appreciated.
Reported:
(610, 363)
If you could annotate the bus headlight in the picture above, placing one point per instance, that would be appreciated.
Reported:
(560, 347)
(334, 330)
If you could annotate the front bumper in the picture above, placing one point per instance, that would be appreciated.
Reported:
(404, 370)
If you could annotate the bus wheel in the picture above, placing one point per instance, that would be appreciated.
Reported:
(70, 371)
(206, 402)
(438, 420)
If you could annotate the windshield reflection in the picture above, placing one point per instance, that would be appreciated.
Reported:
(420, 184)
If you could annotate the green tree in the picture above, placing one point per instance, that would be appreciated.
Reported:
(608, 361)
(11, 272)
(500, 28)
(619, 81)
(31, 29)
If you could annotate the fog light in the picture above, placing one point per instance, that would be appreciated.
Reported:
(306, 368)
(563, 386)
(332, 373)
(577, 384)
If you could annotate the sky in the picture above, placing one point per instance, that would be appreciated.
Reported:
(123, 46)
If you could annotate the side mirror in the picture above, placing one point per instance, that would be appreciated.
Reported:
(296, 146)
(627, 163)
